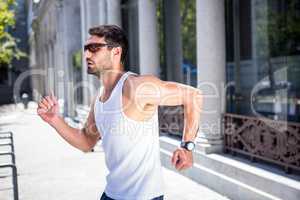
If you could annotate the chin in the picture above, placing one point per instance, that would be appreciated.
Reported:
(91, 71)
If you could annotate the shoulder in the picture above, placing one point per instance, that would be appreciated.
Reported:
(139, 85)
(136, 81)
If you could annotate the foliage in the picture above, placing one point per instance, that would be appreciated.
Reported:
(160, 24)
(8, 44)
(188, 31)
(280, 32)
(284, 29)
(77, 59)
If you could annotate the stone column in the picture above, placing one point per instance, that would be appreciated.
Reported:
(51, 70)
(71, 42)
(90, 17)
(93, 13)
(103, 12)
(211, 72)
(94, 19)
(33, 65)
(59, 56)
(45, 65)
(67, 103)
(148, 38)
(83, 39)
(130, 10)
(114, 12)
(173, 40)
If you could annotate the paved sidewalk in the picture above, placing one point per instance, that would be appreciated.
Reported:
(49, 168)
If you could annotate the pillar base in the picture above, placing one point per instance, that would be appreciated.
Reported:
(208, 146)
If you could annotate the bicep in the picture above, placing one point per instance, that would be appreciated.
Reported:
(154, 91)
(171, 93)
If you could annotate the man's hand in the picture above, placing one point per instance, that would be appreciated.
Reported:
(182, 159)
(48, 108)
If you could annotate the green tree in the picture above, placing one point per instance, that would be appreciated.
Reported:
(8, 44)
(77, 59)
(278, 28)
(278, 33)
(188, 30)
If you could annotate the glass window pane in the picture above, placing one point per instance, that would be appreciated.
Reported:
(263, 58)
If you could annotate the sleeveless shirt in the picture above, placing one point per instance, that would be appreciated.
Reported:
(131, 149)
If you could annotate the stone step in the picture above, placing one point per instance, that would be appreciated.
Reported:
(233, 177)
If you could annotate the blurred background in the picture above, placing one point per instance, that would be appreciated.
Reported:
(243, 54)
(262, 49)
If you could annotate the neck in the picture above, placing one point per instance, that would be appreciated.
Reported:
(109, 78)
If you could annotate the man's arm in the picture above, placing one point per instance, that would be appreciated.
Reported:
(83, 139)
(151, 91)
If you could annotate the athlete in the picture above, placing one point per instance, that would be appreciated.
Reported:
(124, 115)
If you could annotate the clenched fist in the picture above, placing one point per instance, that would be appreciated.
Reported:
(182, 159)
(48, 108)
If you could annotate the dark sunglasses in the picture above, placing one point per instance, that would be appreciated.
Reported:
(94, 47)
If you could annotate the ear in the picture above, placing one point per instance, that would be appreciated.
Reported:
(116, 53)
(117, 50)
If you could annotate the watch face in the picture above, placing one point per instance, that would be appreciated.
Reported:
(190, 146)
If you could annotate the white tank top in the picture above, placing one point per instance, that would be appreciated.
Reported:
(131, 149)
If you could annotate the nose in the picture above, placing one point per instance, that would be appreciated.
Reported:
(87, 54)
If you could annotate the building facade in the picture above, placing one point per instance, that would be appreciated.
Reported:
(243, 55)
(55, 35)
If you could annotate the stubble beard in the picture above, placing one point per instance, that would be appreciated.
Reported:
(93, 71)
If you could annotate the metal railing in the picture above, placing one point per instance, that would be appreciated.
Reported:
(171, 119)
(12, 165)
(273, 141)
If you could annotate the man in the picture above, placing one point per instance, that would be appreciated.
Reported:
(124, 115)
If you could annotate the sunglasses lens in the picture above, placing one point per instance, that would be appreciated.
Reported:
(94, 47)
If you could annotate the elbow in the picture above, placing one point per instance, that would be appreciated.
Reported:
(86, 149)
(199, 97)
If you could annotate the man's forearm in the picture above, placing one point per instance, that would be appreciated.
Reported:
(191, 124)
(192, 109)
(73, 136)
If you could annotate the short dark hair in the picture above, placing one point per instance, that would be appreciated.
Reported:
(114, 35)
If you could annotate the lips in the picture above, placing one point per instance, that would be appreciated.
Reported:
(89, 62)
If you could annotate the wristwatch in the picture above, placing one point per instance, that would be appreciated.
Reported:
(188, 145)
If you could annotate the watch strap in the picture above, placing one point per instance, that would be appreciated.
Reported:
(184, 144)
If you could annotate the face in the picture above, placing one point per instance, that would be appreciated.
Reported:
(98, 55)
